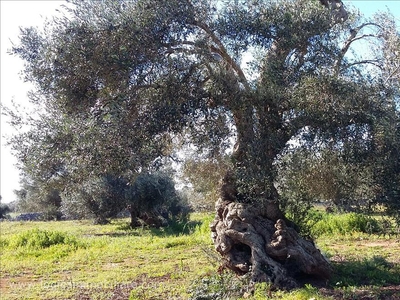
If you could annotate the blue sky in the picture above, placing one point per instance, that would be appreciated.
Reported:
(368, 8)
(32, 13)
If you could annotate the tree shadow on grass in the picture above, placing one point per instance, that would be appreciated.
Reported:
(372, 278)
(174, 227)
(184, 227)
(375, 271)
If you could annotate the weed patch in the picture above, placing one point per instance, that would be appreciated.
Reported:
(344, 224)
(224, 285)
(39, 239)
(180, 241)
(307, 292)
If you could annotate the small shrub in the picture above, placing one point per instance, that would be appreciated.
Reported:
(308, 221)
(301, 213)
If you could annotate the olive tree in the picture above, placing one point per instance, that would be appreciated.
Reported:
(123, 79)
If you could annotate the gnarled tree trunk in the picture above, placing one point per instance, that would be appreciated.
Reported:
(255, 237)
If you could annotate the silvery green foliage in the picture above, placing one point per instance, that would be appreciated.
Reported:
(118, 81)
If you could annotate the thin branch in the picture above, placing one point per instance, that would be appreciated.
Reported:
(179, 50)
(374, 62)
(352, 38)
(364, 36)
(392, 73)
(171, 45)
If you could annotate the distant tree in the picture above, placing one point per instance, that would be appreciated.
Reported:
(328, 177)
(4, 209)
(97, 198)
(118, 81)
(36, 197)
(204, 176)
(150, 199)
(385, 159)
(307, 177)
(12, 206)
(152, 196)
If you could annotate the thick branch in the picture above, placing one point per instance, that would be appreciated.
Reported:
(337, 8)
(221, 50)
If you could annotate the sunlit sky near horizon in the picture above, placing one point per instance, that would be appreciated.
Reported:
(15, 14)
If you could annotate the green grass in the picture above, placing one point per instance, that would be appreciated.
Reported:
(78, 260)
(61, 260)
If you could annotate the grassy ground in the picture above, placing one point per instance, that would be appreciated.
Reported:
(77, 260)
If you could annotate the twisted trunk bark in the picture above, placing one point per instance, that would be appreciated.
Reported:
(252, 238)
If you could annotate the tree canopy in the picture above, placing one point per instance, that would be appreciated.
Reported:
(119, 83)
